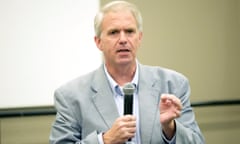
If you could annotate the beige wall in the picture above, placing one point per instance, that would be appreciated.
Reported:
(197, 38)
(25, 130)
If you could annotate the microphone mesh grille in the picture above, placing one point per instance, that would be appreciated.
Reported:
(128, 89)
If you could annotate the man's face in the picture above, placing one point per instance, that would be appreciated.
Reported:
(120, 38)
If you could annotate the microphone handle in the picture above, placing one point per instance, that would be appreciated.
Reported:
(128, 104)
(128, 108)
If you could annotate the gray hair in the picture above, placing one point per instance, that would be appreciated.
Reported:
(116, 6)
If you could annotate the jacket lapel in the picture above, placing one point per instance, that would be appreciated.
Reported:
(149, 96)
(103, 98)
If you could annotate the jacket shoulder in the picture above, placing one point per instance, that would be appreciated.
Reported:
(160, 72)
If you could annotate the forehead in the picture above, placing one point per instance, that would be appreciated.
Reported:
(122, 19)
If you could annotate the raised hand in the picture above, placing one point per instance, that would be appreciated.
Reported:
(170, 108)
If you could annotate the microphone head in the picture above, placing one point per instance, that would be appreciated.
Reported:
(128, 89)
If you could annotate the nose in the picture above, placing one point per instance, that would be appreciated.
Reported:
(122, 38)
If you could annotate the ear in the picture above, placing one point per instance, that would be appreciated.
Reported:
(97, 42)
(140, 36)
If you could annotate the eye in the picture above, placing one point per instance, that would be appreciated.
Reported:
(113, 32)
(130, 31)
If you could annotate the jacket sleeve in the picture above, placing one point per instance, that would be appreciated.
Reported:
(187, 130)
(66, 127)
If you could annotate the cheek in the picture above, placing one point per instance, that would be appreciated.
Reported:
(106, 48)
(102, 45)
(108, 45)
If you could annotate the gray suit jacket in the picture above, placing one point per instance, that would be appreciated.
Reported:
(85, 107)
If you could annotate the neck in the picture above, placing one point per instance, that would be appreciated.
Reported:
(122, 74)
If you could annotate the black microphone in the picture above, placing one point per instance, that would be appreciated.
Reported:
(128, 90)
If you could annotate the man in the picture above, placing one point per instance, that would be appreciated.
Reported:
(90, 108)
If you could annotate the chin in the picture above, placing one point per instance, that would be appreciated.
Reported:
(126, 61)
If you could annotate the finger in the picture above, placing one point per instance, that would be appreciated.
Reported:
(177, 103)
(128, 121)
(131, 129)
(131, 124)
(164, 97)
(130, 133)
(129, 118)
(177, 113)
(174, 100)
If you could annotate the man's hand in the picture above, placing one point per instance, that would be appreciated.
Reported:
(122, 129)
(170, 108)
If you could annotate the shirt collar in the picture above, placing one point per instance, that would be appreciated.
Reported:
(115, 87)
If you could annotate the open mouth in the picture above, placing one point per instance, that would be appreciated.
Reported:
(123, 50)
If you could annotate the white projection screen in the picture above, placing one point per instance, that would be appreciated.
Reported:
(43, 44)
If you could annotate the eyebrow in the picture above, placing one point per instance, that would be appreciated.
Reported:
(117, 30)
